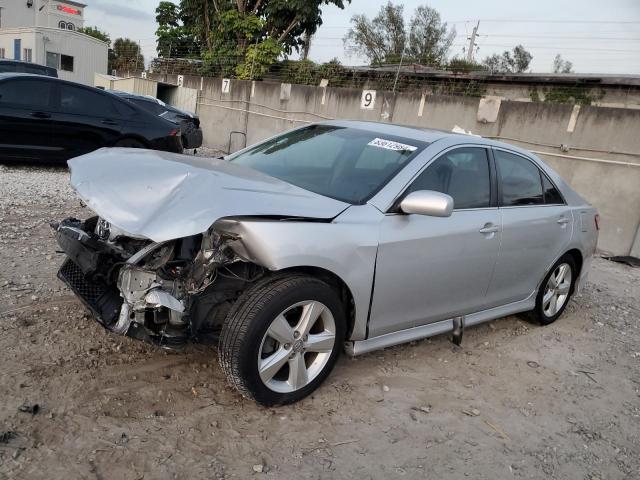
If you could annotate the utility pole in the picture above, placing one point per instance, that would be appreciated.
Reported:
(472, 42)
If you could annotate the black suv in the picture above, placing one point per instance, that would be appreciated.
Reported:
(16, 66)
(44, 118)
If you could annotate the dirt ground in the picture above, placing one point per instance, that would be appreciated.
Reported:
(516, 400)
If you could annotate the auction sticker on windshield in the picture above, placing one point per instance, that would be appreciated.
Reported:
(391, 145)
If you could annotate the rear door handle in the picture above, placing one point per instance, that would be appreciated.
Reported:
(40, 115)
(106, 121)
(489, 228)
(563, 220)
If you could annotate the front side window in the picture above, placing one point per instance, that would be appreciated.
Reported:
(344, 163)
(520, 178)
(77, 100)
(26, 93)
(463, 174)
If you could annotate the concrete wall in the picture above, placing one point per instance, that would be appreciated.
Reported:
(607, 140)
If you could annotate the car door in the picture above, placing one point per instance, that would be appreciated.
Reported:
(25, 119)
(84, 120)
(430, 268)
(537, 227)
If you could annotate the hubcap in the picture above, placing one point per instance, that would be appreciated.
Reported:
(296, 346)
(557, 290)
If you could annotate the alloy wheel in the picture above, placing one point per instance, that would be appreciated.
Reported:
(557, 290)
(297, 346)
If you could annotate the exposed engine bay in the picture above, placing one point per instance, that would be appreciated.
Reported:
(167, 292)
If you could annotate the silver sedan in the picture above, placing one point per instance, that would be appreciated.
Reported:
(335, 235)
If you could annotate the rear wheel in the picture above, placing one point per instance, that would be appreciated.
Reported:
(282, 339)
(555, 291)
(129, 143)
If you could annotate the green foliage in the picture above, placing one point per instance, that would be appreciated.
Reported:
(175, 37)
(516, 61)
(126, 55)
(95, 33)
(572, 94)
(384, 39)
(462, 65)
(237, 37)
(258, 58)
(562, 66)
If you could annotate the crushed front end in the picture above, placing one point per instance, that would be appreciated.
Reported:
(167, 293)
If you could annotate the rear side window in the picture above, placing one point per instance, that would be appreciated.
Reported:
(551, 194)
(30, 93)
(521, 180)
(84, 102)
(462, 173)
(151, 107)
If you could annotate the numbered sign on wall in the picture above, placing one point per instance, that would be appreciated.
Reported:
(226, 84)
(180, 80)
(368, 100)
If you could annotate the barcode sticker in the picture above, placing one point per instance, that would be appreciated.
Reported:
(391, 145)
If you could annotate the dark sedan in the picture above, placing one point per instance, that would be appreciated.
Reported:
(44, 118)
(189, 122)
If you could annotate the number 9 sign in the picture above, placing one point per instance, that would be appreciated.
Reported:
(368, 100)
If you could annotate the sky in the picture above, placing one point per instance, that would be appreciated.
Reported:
(597, 36)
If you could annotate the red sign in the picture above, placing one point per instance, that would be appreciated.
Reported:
(70, 10)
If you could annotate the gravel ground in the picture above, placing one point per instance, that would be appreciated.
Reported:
(516, 400)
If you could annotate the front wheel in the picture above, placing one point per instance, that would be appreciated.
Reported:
(282, 338)
(555, 291)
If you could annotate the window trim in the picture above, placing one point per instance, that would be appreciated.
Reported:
(394, 209)
(540, 171)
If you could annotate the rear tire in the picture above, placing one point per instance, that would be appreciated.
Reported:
(129, 143)
(282, 338)
(555, 291)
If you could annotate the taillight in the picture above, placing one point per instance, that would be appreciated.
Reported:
(597, 220)
(174, 133)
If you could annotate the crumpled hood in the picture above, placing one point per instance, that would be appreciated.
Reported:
(162, 196)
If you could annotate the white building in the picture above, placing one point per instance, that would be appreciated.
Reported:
(44, 32)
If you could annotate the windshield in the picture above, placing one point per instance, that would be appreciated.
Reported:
(344, 163)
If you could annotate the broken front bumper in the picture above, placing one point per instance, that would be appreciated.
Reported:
(98, 276)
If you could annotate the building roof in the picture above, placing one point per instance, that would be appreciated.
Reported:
(71, 2)
(589, 79)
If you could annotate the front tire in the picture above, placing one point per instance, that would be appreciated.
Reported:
(282, 338)
(555, 291)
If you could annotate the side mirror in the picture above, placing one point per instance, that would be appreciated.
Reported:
(427, 202)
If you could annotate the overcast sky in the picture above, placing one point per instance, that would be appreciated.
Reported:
(577, 29)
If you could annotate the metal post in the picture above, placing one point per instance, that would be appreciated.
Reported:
(395, 82)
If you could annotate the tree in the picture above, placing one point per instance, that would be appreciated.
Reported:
(562, 66)
(238, 36)
(384, 39)
(95, 33)
(175, 33)
(429, 38)
(126, 55)
(381, 40)
(516, 61)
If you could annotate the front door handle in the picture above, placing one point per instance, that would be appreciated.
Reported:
(106, 121)
(40, 115)
(489, 228)
(563, 220)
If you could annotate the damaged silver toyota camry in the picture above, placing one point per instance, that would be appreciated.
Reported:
(339, 234)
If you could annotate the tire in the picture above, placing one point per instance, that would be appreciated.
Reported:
(546, 311)
(129, 143)
(255, 339)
